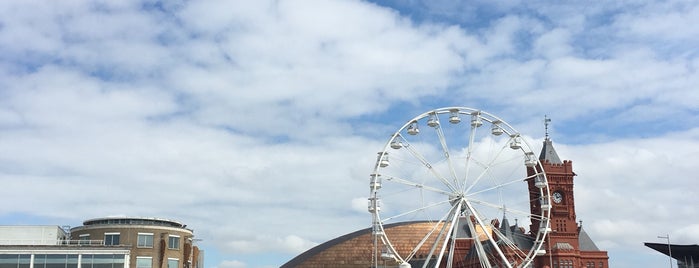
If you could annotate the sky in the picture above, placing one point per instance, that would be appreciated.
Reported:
(257, 123)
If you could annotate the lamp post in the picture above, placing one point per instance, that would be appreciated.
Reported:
(551, 250)
(669, 249)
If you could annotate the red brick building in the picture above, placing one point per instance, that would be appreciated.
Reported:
(567, 245)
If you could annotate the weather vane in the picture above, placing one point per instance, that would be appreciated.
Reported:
(546, 125)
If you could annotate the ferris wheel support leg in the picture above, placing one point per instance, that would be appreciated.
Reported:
(455, 216)
(490, 237)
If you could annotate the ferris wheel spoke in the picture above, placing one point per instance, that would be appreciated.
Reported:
(448, 235)
(416, 185)
(452, 245)
(428, 235)
(429, 166)
(502, 208)
(480, 250)
(509, 243)
(500, 185)
(480, 223)
(415, 210)
(447, 155)
(451, 216)
(469, 152)
(486, 170)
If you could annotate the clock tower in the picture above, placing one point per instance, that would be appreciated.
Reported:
(567, 245)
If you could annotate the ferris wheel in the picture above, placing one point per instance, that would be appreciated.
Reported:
(464, 176)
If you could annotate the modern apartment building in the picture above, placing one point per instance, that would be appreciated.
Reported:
(153, 242)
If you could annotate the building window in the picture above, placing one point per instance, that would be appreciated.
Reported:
(173, 263)
(56, 261)
(173, 242)
(111, 239)
(144, 262)
(102, 261)
(145, 240)
(14, 260)
(568, 264)
(84, 239)
(564, 264)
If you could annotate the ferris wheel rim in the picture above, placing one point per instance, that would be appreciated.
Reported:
(461, 200)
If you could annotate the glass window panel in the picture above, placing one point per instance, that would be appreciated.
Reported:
(102, 260)
(174, 242)
(144, 262)
(145, 240)
(119, 260)
(9, 260)
(173, 263)
(84, 239)
(72, 261)
(111, 239)
(40, 261)
(25, 260)
(56, 261)
(86, 261)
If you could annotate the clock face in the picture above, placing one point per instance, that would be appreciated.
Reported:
(557, 197)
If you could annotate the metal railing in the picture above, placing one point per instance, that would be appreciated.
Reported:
(40, 242)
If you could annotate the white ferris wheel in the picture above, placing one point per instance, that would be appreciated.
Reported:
(465, 176)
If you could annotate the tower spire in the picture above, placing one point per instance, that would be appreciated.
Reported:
(547, 151)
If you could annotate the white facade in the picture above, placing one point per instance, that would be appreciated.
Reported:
(32, 235)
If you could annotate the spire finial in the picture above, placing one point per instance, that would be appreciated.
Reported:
(546, 125)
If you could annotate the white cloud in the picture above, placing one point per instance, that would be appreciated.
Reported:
(261, 243)
(360, 204)
(266, 115)
(686, 234)
(231, 264)
(630, 191)
(554, 44)
(661, 22)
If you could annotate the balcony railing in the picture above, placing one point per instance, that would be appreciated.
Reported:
(57, 242)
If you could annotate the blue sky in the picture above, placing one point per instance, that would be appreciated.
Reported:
(257, 122)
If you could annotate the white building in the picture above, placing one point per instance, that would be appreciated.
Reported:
(50, 247)
(32, 235)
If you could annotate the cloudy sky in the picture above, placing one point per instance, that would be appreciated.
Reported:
(257, 122)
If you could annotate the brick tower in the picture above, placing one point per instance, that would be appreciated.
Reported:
(567, 245)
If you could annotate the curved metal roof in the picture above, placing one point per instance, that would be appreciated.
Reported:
(300, 259)
(133, 221)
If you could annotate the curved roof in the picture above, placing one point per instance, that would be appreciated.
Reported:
(355, 249)
(133, 221)
(679, 252)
